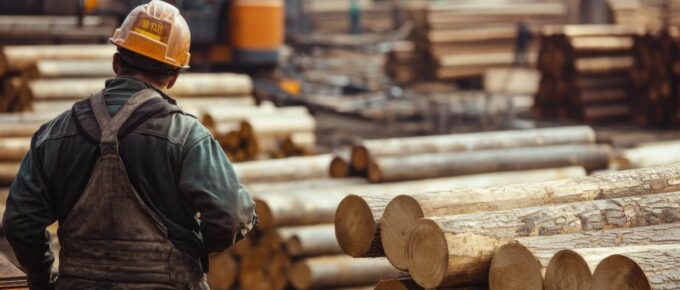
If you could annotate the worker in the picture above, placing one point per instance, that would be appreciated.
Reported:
(522, 42)
(142, 192)
(355, 17)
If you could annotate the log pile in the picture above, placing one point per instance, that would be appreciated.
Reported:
(334, 17)
(563, 234)
(463, 39)
(404, 64)
(24, 29)
(459, 154)
(585, 72)
(652, 14)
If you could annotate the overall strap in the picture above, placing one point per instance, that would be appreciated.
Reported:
(108, 125)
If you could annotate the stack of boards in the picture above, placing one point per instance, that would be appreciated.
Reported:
(49, 29)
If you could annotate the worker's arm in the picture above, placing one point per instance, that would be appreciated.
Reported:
(210, 184)
(27, 215)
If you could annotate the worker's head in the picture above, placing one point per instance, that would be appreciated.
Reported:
(153, 44)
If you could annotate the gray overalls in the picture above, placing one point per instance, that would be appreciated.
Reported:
(111, 239)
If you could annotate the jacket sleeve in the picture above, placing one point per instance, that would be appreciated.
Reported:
(26, 217)
(211, 186)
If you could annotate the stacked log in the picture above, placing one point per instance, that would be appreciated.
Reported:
(641, 13)
(649, 155)
(404, 64)
(448, 239)
(458, 154)
(45, 29)
(585, 72)
(333, 16)
(462, 39)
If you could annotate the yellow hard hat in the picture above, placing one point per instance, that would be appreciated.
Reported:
(156, 30)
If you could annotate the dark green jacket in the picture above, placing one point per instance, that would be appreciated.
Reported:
(172, 161)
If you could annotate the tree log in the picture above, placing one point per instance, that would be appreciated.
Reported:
(340, 165)
(318, 206)
(56, 69)
(339, 271)
(307, 241)
(650, 155)
(445, 263)
(308, 184)
(404, 210)
(187, 85)
(644, 267)
(357, 219)
(361, 155)
(8, 171)
(287, 169)
(397, 168)
(223, 271)
(13, 149)
(22, 57)
(213, 116)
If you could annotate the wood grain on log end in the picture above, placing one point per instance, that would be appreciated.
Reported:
(354, 226)
(567, 271)
(301, 276)
(514, 267)
(264, 269)
(223, 270)
(428, 254)
(339, 167)
(399, 215)
(360, 158)
(618, 272)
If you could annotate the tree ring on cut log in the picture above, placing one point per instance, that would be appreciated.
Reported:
(618, 272)
(294, 246)
(264, 214)
(514, 267)
(301, 276)
(354, 226)
(374, 173)
(567, 270)
(428, 254)
(395, 224)
(360, 158)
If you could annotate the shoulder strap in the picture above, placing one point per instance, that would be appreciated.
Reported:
(109, 126)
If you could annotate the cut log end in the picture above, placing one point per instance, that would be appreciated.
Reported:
(514, 267)
(399, 215)
(339, 168)
(360, 158)
(264, 214)
(567, 270)
(301, 276)
(374, 173)
(427, 254)
(354, 226)
(620, 273)
(223, 269)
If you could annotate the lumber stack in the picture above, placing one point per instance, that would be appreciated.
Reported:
(604, 231)
(463, 39)
(46, 29)
(651, 14)
(333, 16)
(460, 154)
(584, 73)
(404, 64)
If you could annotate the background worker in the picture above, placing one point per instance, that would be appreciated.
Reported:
(141, 190)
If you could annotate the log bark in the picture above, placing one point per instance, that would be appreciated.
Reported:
(361, 155)
(213, 116)
(446, 263)
(357, 219)
(308, 241)
(188, 85)
(13, 149)
(308, 184)
(339, 271)
(398, 168)
(644, 267)
(8, 171)
(223, 271)
(404, 210)
(22, 57)
(287, 169)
